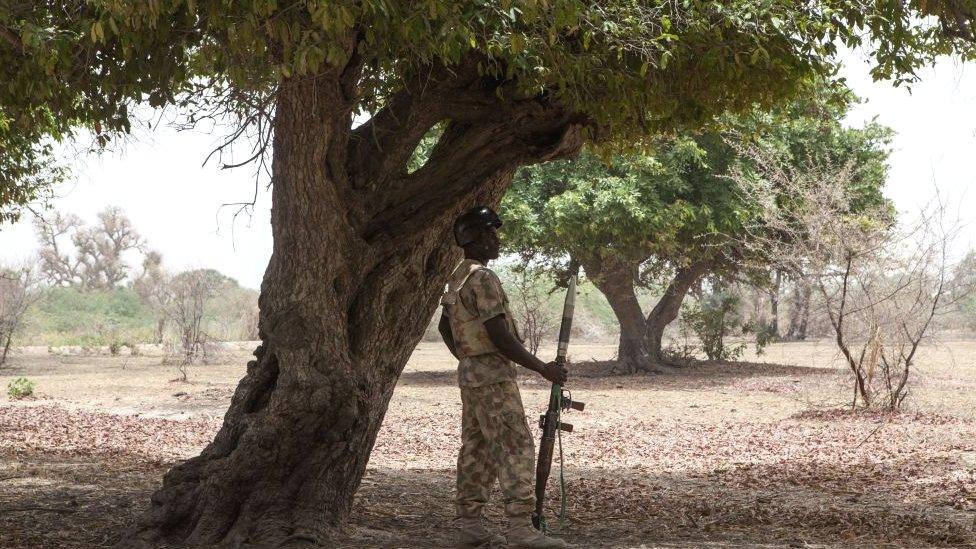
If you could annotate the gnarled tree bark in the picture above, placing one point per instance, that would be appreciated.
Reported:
(361, 251)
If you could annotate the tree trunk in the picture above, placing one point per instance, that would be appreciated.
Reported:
(160, 329)
(616, 282)
(774, 303)
(6, 347)
(795, 308)
(799, 310)
(667, 308)
(801, 332)
(355, 274)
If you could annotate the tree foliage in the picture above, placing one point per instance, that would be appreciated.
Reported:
(628, 68)
(632, 218)
(633, 207)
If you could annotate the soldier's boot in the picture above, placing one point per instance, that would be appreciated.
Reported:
(474, 534)
(523, 535)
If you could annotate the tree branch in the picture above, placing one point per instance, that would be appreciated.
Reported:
(467, 156)
(381, 147)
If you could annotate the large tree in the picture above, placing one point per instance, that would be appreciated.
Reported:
(630, 221)
(669, 218)
(360, 252)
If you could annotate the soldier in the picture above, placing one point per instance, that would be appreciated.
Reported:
(479, 329)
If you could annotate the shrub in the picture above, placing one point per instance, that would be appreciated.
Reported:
(68, 316)
(20, 388)
(764, 334)
(712, 318)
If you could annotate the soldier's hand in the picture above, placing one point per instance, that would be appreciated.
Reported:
(555, 372)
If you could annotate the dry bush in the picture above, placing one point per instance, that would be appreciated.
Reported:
(713, 316)
(530, 306)
(186, 296)
(880, 284)
(19, 287)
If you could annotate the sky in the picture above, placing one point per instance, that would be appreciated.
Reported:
(177, 203)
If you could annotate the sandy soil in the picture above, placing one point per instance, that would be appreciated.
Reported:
(757, 454)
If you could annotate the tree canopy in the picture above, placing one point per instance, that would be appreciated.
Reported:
(625, 68)
(632, 207)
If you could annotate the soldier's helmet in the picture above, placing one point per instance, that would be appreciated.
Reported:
(470, 223)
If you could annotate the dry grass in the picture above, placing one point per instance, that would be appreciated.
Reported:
(746, 455)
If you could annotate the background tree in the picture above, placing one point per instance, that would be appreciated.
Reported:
(638, 218)
(624, 222)
(359, 254)
(801, 292)
(151, 287)
(96, 261)
(18, 290)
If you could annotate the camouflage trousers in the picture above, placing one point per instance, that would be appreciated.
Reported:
(495, 444)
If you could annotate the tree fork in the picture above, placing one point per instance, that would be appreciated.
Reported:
(669, 306)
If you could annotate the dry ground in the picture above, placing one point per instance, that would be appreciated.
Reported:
(744, 455)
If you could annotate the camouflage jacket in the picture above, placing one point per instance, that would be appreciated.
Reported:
(474, 295)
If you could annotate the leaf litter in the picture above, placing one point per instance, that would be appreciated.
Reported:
(817, 478)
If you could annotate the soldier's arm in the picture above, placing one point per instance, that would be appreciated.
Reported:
(509, 346)
(444, 327)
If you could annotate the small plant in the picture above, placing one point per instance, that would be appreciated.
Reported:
(20, 388)
(764, 333)
(115, 348)
(712, 319)
(683, 345)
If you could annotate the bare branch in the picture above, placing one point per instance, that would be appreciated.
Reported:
(874, 276)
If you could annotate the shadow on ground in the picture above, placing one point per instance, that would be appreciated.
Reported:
(71, 502)
(592, 373)
(623, 508)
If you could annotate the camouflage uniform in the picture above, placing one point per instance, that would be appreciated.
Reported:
(496, 441)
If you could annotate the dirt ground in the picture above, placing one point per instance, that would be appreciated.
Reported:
(756, 454)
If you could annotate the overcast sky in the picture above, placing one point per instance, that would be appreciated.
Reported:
(176, 203)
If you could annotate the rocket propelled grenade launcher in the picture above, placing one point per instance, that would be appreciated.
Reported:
(558, 400)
